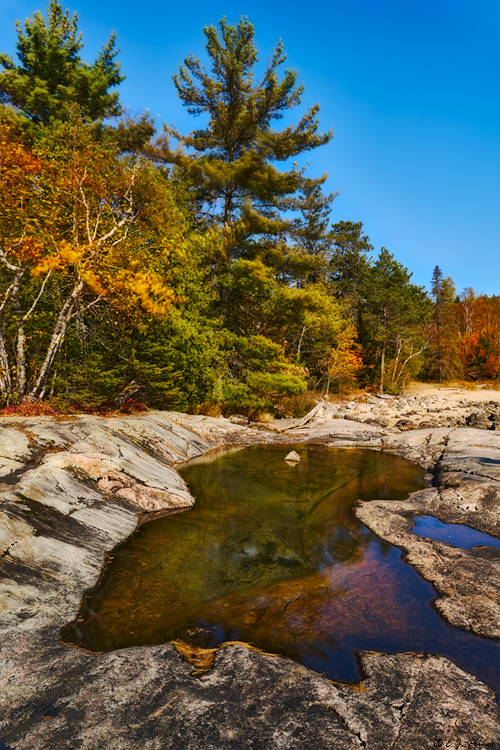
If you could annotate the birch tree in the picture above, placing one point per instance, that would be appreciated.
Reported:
(76, 227)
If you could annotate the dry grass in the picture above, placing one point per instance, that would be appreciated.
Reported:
(203, 659)
(464, 385)
(264, 417)
(208, 409)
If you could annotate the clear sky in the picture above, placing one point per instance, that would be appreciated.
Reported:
(410, 89)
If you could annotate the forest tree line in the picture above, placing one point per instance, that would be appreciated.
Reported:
(197, 271)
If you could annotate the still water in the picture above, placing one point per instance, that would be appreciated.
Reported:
(456, 534)
(273, 555)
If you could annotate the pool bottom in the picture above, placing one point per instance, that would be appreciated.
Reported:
(274, 556)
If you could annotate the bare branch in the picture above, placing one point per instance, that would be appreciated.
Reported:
(5, 261)
(86, 206)
(97, 224)
(425, 346)
(123, 237)
(84, 309)
(38, 295)
(6, 297)
(127, 218)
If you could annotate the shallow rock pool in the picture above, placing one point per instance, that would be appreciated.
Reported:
(273, 555)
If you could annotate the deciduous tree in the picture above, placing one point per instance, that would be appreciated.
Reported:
(79, 223)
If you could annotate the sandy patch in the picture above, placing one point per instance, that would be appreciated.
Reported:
(451, 393)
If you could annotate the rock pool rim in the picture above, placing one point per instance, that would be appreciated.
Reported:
(389, 646)
(385, 472)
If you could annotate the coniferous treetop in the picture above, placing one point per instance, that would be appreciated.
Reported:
(51, 73)
(235, 152)
(241, 110)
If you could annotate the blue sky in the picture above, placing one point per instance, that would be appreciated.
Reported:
(410, 89)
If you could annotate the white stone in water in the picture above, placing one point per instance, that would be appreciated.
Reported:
(292, 456)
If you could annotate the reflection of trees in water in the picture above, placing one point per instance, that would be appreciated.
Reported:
(257, 521)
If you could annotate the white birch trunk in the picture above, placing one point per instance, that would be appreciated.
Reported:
(57, 338)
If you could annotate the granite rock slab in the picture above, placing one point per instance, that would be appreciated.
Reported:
(73, 489)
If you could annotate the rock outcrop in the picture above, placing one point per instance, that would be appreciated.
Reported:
(73, 489)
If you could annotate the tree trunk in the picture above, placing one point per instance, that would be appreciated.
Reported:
(382, 366)
(382, 357)
(55, 342)
(5, 381)
(20, 350)
(301, 339)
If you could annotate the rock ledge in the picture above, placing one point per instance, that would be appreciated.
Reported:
(74, 489)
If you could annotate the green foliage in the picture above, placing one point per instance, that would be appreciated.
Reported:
(272, 384)
(257, 374)
(238, 397)
(260, 392)
(393, 313)
(175, 362)
(311, 226)
(443, 360)
(255, 352)
(51, 73)
(349, 263)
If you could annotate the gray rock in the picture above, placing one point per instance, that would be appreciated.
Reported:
(100, 477)
(480, 421)
(405, 424)
(238, 419)
(403, 701)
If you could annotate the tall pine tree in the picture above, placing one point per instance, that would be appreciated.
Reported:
(265, 222)
(235, 154)
(444, 359)
(393, 312)
(350, 258)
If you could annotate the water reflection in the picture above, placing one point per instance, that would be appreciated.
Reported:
(273, 554)
(452, 533)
